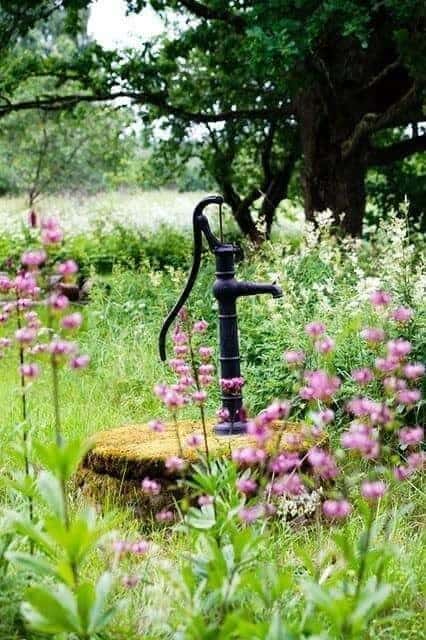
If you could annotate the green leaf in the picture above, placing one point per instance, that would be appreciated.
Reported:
(100, 613)
(51, 610)
(52, 493)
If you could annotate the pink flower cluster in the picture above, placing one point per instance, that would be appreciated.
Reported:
(319, 386)
(232, 386)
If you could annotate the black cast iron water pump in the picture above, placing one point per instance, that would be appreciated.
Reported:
(226, 290)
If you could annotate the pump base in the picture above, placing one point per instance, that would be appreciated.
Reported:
(230, 428)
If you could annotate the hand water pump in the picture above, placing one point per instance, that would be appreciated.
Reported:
(226, 290)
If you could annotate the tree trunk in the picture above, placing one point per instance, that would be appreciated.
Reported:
(331, 181)
(241, 210)
(275, 193)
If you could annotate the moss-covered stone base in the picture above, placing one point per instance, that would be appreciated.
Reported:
(120, 458)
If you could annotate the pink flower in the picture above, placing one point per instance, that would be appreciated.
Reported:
(336, 509)
(206, 353)
(151, 487)
(322, 463)
(248, 456)
(140, 548)
(175, 464)
(360, 437)
(246, 485)
(72, 321)
(414, 370)
(206, 369)
(408, 396)
(199, 397)
(288, 484)
(205, 381)
(402, 314)
(402, 473)
(387, 365)
(160, 390)
(200, 326)
(179, 337)
(30, 370)
(320, 386)
(26, 284)
(58, 302)
(411, 436)
(164, 516)
(5, 283)
(294, 357)
(362, 376)
(181, 350)
(258, 430)
(129, 582)
(380, 298)
(51, 236)
(67, 268)
(194, 440)
(325, 345)
(416, 460)
(80, 362)
(315, 329)
(222, 414)
(157, 426)
(205, 501)
(250, 514)
(232, 385)
(372, 334)
(173, 400)
(62, 347)
(284, 462)
(25, 335)
(34, 258)
(392, 383)
(5, 343)
(398, 348)
(373, 490)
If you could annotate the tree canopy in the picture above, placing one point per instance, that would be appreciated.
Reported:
(266, 83)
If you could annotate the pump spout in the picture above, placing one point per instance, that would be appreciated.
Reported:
(256, 288)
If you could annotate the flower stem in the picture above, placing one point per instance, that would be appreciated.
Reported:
(179, 441)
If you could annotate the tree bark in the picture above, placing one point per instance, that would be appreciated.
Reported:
(330, 180)
(241, 210)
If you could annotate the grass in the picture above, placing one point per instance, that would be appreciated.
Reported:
(123, 319)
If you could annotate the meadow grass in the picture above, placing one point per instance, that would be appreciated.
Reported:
(124, 315)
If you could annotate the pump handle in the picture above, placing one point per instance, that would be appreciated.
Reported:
(199, 224)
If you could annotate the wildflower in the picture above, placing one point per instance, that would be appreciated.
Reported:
(411, 436)
(325, 345)
(34, 258)
(26, 284)
(408, 396)
(360, 437)
(402, 314)
(294, 357)
(151, 487)
(373, 490)
(232, 385)
(157, 426)
(372, 334)
(25, 335)
(120, 546)
(322, 463)
(173, 400)
(58, 302)
(140, 548)
(250, 514)
(336, 509)
(51, 236)
(276, 411)
(287, 484)
(199, 397)
(362, 376)
(165, 515)
(205, 381)
(320, 418)
(194, 440)
(61, 347)
(206, 369)
(80, 362)
(130, 582)
(180, 350)
(401, 473)
(392, 383)
(200, 326)
(67, 268)
(5, 343)
(387, 365)
(380, 298)
(179, 337)
(315, 329)
(160, 390)
(414, 370)
(416, 460)
(247, 456)
(246, 485)
(206, 353)
(30, 370)
(222, 414)
(320, 386)
(205, 500)
(398, 349)
(258, 430)
(174, 463)
(72, 321)
(5, 283)
(284, 462)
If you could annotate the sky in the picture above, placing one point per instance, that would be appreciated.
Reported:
(110, 26)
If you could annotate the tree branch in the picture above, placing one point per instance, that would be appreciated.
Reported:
(371, 122)
(397, 151)
(209, 13)
(159, 100)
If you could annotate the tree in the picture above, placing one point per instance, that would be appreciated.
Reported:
(339, 71)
